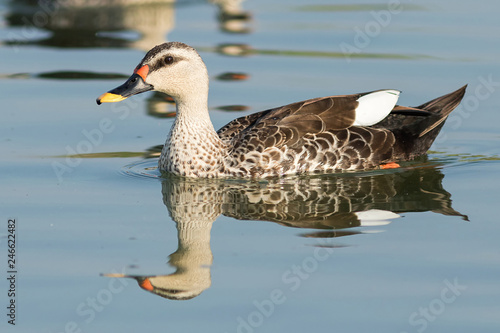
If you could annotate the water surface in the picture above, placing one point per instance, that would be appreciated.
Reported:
(246, 256)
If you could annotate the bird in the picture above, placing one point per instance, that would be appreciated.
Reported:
(331, 134)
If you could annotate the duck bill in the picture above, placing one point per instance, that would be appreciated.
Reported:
(133, 86)
(143, 281)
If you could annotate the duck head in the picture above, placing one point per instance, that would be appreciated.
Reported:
(173, 68)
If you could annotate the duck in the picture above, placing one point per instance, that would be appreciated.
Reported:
(330, 134)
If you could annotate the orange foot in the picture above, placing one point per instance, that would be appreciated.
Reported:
(391, 165)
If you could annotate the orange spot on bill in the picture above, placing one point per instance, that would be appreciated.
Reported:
(391, 165)
(142, 72)
(146, 284)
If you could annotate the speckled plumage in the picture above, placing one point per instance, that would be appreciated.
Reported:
(314, 136)
(193, 150)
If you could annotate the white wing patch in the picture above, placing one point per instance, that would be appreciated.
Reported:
(375, 217)
(375, 106)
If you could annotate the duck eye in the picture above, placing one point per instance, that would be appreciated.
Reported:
(168, 60)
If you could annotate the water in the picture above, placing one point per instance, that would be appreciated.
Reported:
(259, 256)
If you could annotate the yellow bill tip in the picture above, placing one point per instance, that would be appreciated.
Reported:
(109, 98)
(115, 275)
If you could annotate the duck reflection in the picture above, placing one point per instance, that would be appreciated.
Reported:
(77, 23)
(232, 18)
(330, 205)
(192, 261)
(137, 24)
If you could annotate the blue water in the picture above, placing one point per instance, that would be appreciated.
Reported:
(263, 256)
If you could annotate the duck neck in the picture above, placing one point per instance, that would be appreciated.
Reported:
(193, 112)
(193, 147)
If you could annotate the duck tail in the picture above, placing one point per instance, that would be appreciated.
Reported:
(416, 128)
(441, 107)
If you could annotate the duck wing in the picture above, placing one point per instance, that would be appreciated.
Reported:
(286, 125)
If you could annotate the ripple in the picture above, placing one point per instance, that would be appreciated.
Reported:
(147, 169)
(444, 160)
